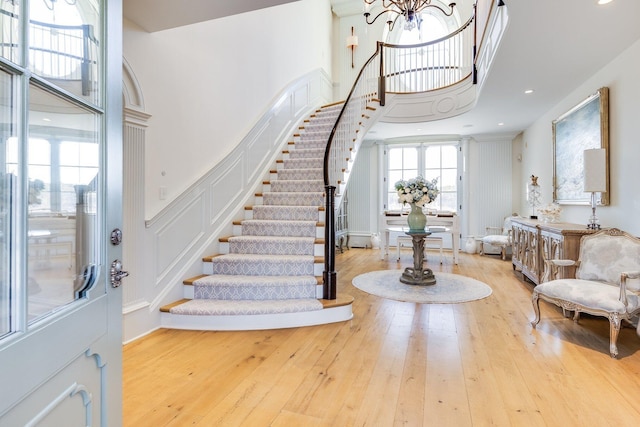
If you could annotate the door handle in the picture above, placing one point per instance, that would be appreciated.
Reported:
(117, 274)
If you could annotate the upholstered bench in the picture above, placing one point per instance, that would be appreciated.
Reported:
(607, 281)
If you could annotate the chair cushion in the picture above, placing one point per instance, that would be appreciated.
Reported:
(590, 294)
(496, 240)
(603, 258)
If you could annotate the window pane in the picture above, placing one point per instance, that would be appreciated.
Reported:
(394, 176)
(64, 40)
(9, 33)
(7, 195)
(62, 177)
(395, 158)
(450, 156)
(448, 180)
(448, 202)
(432, 157)
(410, 156)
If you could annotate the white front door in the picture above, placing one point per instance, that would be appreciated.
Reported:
(60, 199)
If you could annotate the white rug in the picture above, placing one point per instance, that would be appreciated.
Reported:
(449, 288)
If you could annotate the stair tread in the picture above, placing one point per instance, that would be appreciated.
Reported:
(190, 281)
(240, 307)
(340, 301)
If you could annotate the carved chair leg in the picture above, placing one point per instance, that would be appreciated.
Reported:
(614, 329)
(536, 308)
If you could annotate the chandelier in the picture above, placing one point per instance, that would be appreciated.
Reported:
(411, 10)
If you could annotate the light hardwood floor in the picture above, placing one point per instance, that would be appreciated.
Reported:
(395, 364)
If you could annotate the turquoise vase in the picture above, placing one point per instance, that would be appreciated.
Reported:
(417, 219)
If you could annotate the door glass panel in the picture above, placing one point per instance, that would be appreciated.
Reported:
(64, 45)
(9, 34)
(63, 157)
(7, 194)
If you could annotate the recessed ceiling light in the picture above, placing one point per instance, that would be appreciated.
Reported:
(500, 124)
(528, 91)
(604, 1)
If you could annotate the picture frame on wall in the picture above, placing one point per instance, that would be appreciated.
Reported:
(583, 127)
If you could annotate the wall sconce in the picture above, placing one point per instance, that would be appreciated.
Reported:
(352, 42)
(595, 180)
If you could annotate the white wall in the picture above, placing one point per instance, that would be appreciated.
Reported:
(206, 85)
(621, 76)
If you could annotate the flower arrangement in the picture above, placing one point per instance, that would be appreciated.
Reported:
(417, 190)
(551, 212)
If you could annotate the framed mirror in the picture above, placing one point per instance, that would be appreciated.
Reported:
(584, 126)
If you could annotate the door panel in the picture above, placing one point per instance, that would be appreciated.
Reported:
(61, 157)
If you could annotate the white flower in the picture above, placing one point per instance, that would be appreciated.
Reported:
(417, 190)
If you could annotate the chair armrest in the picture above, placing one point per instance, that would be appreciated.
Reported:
(562, 262)
(623, 284)
(551, 270)
(630, 274)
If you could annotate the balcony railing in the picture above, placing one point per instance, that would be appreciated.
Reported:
(58, 52)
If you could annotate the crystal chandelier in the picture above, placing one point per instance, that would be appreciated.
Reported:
(411, 10)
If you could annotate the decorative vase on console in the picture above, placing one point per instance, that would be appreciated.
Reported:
(417, 192)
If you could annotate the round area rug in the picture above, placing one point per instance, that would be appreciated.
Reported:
(449, 288)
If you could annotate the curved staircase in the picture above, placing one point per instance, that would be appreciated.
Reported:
(269, 273)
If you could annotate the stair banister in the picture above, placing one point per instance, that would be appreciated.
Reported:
(371, 84)
(338, 148)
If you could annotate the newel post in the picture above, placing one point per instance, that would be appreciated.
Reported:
(329, 275)
(382, 84)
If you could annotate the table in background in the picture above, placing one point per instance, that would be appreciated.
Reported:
(389, 221)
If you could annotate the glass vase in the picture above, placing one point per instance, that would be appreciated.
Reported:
(417, 220)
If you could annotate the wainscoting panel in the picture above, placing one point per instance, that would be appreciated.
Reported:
(224, 190)
(175, 239)
(362, 199)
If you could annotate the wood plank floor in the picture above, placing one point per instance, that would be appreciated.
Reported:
(395, 364)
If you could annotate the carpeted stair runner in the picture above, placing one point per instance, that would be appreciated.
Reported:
(272, 265)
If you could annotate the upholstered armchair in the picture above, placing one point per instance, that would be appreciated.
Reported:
(606, 283)
(501, 237)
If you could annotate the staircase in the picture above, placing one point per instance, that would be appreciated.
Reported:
(269, 273)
